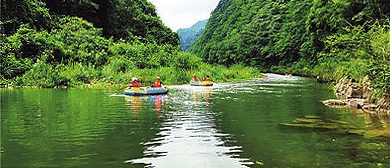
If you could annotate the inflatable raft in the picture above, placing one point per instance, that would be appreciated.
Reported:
(202, 83)
(146, 91)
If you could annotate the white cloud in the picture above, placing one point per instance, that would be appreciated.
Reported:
(183, 13)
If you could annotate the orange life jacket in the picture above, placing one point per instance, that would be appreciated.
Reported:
(157, 83)
(195, 79)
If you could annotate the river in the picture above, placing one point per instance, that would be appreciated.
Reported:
(243, 124)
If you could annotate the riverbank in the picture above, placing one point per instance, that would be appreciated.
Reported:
(356, 95)
(86, 77)
(350, 92)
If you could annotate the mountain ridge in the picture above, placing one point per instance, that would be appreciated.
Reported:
(189, 35)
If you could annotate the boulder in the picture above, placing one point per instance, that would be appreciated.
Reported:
(370, 107)
(347, 88)
(333, 102)
(357, 103)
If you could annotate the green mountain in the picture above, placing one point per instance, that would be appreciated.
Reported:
(272, 32)
(189, 35)
(328, 38)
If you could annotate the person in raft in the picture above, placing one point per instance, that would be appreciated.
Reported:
(207, 78)
(288, 75)
(134, 82)
(195, 79)
(157, 83)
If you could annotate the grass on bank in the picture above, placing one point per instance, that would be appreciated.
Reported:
(78, 75)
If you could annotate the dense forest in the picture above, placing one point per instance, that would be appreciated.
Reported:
(189, 35)
(326, 38)
(49, 43)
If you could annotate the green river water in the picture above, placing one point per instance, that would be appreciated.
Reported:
(227, 125)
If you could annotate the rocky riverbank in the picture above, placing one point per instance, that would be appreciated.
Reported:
(359, 96)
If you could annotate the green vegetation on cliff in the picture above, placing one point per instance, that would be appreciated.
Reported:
(71, 43)
(328, 38)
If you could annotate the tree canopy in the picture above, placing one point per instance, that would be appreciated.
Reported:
(120, 19)
(310, 37)
(269, 32)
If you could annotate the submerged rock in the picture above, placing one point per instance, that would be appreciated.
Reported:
(312, 117)
(316, 122)
(307, 120)
(377, 133)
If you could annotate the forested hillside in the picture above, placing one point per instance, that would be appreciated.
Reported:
(50, 43)
(189, 35)
(119, 19)
(328, 38)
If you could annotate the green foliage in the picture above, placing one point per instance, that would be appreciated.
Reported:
(186, 61)
(269, 33)
(18, 12)
(16, 53)
(346, 53)
(74, 40)
(380, 71)
(42, 75)
(358, 53)
(327, 38)
(144, 55)
(120, 19)
(57, 44)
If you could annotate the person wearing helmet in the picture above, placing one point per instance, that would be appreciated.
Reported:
(134, 82)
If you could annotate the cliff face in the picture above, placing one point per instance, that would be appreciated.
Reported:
(358, 95)
(348, 88)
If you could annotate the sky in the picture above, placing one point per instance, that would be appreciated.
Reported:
(183, 13)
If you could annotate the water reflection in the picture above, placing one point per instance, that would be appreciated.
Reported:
(188, 137)
(375, 125)
(137, 102)
(200, 95)
(158, 103)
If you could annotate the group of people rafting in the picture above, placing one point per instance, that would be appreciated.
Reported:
(134, 82)
(195, 78)
(158, 82)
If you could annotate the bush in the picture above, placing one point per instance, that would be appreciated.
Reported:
(186, 61)
(41, 75)
(76, 74)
